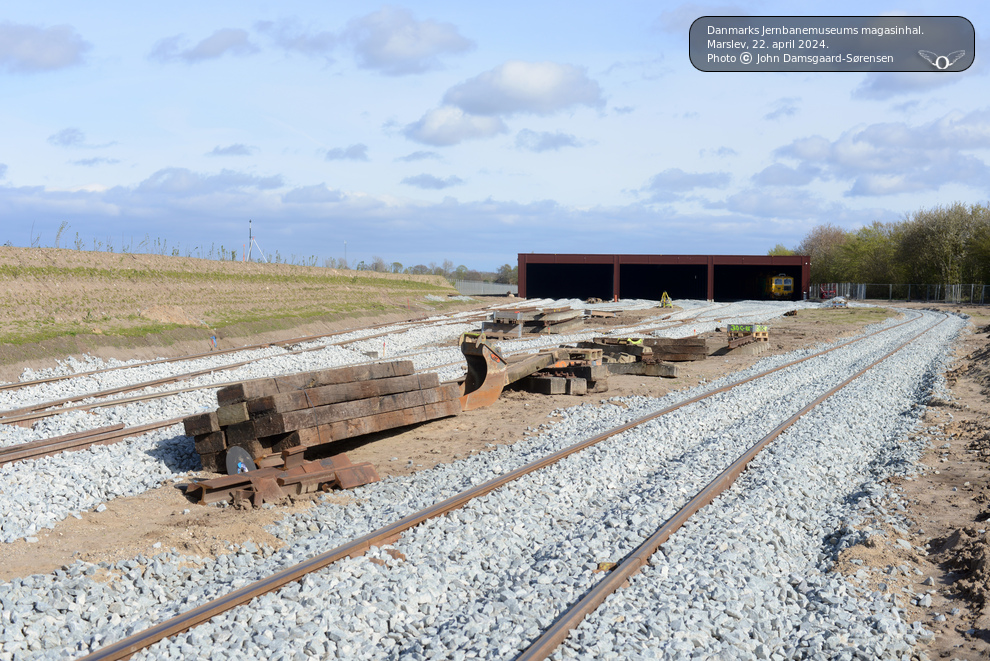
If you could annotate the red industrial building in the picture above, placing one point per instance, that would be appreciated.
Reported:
(704, 277)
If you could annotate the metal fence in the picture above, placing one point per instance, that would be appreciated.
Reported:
(476, 288)
(971, 293)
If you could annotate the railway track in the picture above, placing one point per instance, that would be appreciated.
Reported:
(81, 440)
(750, 407)
(32, 412)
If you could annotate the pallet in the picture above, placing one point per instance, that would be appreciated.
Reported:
(759, 336)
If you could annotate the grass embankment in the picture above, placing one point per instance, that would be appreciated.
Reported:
(48, 293)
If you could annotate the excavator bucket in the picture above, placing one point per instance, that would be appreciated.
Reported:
(486, 372)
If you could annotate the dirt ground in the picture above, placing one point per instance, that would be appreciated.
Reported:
(943, 578)
(164, 516)
(948, 560)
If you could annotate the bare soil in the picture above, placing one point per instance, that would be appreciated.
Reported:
(949, 556)
(950, 502)
(134, 525)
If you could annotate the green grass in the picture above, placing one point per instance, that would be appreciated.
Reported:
(846, 315)
(73, 329)
(218, 276)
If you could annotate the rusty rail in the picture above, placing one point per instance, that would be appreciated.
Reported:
(391, 532)
(77, 441)
(639, 557)
(207, 354)
(44, 409)
(38, 411)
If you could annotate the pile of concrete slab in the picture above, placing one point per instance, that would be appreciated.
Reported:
(527, 321)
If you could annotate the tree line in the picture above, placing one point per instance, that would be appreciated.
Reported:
(505, 274)
(942, 245)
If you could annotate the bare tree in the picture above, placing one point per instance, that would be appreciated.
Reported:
(822, 245)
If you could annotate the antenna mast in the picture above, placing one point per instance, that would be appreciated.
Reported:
(252, 242)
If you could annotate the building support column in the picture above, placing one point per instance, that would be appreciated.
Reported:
(615, 278)
(711, 278)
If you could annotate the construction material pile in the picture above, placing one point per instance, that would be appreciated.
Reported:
(742, 334)
(648, 356)
(568, 372)
(524, 321)
(271, 485)
(264, 417)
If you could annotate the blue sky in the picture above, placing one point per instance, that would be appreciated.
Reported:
(465, 131)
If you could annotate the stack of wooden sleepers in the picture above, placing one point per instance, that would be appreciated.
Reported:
(524, 321)
(267, 416)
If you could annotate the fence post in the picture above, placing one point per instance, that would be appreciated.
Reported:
(909, 294)
(890, 293)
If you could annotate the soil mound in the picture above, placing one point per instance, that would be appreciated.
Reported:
(977, 366)
(967, 552)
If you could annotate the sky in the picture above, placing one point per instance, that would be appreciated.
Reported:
(470, 132)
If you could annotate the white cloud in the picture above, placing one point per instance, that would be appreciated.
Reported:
(358, 152)
(225, 40)
(73, 138)
(448, 126)
(785, 107)
(882, 85)
(419, 156)
(528, 87)
(30, 49)
(393, 42)
(773, 203)
(70, 137)
(231, 150)
(290, 37)
(430, 182)
(680, 18)
(894, 157)
(182, 182)
(670, 184)
(316, 194)
(99, 160)
(544, 141)
(779, 174)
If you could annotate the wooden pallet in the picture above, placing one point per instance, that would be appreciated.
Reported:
(758, 336)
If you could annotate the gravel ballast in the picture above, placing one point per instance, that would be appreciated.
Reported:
(481, 581)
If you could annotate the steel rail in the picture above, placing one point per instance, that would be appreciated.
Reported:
(80, 440)
(413, 323)
(43, 409)
(639, 557)
(31, 412)
(10, 454)
(208, 354)
(389, 533)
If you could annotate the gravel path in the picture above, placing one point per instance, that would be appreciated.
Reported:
(747, 576)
